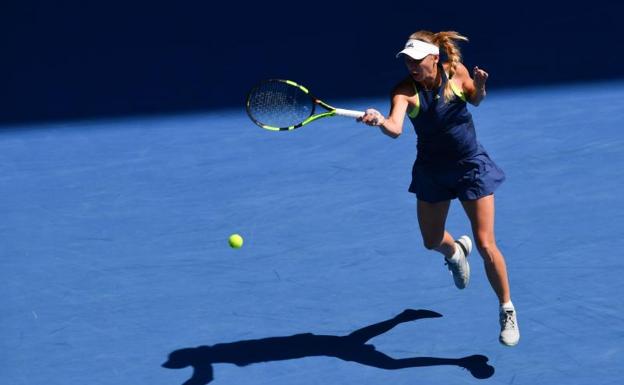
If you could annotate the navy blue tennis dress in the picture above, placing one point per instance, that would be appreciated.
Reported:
(450, 162)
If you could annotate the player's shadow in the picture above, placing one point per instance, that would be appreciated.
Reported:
(352, 347)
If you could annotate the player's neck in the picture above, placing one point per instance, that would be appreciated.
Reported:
(433, 82)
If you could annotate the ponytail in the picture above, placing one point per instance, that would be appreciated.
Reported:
(446, 40)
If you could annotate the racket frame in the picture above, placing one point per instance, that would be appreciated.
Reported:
(331, 111)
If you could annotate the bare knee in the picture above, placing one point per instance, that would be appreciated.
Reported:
(487, 248)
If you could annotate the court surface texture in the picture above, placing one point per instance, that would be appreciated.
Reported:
(114, 249)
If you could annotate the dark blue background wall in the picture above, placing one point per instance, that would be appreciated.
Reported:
(71, 59)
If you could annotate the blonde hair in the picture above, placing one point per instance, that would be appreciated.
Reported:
(445, 40)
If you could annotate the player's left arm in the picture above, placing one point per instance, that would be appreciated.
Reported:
(473, 87)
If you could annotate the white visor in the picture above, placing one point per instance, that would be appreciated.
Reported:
(418, 49)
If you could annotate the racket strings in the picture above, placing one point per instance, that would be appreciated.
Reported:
(278, 104)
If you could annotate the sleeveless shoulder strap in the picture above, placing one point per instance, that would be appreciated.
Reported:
(413, 112)
(456, 90)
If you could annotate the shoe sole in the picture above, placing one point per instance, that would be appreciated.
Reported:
(508, 345)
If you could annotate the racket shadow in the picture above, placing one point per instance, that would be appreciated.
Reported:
(352, 347)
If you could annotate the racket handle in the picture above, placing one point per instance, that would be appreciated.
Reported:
(349, 113)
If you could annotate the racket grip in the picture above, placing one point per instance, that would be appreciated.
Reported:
(349, 113)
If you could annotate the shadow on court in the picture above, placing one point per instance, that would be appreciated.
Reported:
(352, 347)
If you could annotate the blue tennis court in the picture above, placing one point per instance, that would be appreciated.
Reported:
(114, 250)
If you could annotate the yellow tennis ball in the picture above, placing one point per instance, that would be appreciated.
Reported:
(236, 241)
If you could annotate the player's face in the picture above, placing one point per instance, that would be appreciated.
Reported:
(422, 69)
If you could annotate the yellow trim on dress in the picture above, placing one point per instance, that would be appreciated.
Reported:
(459, 93)
(413, 112)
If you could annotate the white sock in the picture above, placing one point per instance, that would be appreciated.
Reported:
(507, 306)
(456, 254)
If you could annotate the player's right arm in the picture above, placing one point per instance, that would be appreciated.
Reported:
(392, 125)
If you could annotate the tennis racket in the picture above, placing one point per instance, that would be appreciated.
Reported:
(283, 105)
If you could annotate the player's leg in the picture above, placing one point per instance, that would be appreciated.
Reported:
(432, 222)
(481, 214)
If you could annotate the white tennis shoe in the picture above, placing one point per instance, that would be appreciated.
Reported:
(458, 263)
(510, 333)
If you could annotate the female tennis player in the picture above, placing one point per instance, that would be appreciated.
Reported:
(450, 162)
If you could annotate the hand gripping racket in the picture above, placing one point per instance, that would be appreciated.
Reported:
(283, 105)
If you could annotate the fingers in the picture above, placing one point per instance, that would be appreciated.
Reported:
(372, 117)
(479, 76)
(479, 73)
